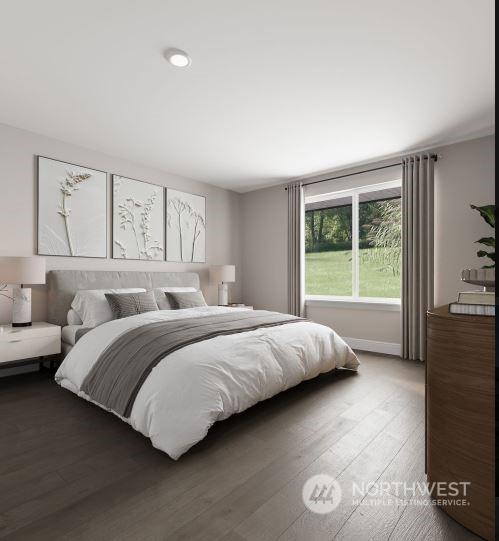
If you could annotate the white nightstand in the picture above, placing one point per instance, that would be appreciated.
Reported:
(20, 345)
(246, 306)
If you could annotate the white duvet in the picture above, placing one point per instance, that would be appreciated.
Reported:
(202, 383)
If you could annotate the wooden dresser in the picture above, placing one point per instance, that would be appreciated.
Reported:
(460, 413)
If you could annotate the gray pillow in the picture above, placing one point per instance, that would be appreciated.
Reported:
(163, 301)
(188, 299)
(130, 304)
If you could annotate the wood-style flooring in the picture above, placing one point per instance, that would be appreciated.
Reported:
(69, 470)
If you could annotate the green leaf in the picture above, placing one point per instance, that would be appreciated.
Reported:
(483, 253)
(488, 241)
(487, 212)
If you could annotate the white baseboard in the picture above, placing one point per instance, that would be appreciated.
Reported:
(389, 348)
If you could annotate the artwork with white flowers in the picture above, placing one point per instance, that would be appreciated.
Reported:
(138, 220)
(186, 227)
(72, 210)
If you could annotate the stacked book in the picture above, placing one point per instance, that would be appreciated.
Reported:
(477, 303)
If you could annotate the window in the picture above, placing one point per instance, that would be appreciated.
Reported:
(353, 244)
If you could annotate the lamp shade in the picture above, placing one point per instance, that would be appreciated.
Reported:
(22, 270)
(222, 273)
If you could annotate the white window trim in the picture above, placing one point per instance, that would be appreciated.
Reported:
(366, 303)
(361, 189)
(354, 301)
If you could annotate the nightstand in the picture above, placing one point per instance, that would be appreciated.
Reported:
(247, 307)
(24, 345)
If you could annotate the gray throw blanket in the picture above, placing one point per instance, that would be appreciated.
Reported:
(116, 378)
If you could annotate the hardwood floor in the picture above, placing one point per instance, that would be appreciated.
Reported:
(69, 470)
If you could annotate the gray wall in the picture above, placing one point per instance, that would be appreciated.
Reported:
(18, 212)
(264, 238)
(250, 230)
(464, 175)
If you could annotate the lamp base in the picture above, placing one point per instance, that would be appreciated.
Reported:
(223, 294)
(21, 308)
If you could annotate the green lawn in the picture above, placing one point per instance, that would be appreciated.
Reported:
(330, 273)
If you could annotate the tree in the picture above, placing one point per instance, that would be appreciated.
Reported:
(384, 235)
(321, 227)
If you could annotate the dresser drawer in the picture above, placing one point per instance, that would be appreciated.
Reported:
(15, 349)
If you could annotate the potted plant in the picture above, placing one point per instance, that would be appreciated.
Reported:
(485, 276)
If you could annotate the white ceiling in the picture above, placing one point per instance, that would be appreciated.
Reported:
(277, 88)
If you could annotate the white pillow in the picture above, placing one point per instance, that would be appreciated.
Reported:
(73, 318)
(92, 307)
(162, 300)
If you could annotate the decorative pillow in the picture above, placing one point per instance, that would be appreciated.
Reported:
(163, 301)
(191, 299)
(130, 304)
(73, 318)
(92, 307)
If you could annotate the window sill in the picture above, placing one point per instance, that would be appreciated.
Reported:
(323, 301)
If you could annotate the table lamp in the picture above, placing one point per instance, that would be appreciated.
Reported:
(221, 275)
(19, 271)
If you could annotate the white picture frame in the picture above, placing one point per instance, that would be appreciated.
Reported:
(72, 210)
(185, 227)
(138, 220)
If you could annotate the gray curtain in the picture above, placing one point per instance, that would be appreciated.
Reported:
(417, 252)
(296, 249)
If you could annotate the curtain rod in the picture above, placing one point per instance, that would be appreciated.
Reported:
(434, 157)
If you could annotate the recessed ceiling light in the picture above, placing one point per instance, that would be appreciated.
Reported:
(178, 58)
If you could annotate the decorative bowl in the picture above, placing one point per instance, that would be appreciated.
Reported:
(480, 277)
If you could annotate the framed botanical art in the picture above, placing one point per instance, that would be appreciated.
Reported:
(138, 220)
(72, 209)
(185, 227)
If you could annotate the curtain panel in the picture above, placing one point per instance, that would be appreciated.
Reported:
(296, 249)
(417, 252)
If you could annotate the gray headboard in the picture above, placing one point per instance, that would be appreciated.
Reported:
(62, 285)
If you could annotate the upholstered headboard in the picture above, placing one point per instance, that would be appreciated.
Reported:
(62, 285)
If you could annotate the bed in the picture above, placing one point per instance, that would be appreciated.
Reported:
(171, 374)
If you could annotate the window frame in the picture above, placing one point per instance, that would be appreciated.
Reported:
(355, 299)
